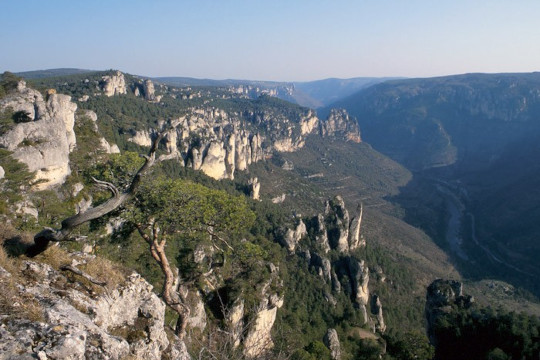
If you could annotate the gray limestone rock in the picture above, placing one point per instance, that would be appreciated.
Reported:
(340, 123)
(149, 90)
(356, 239)
(293, 236)
(376, 309)
(339, 240)
(359, 274)
(331, 340)
(79, 326)
(114, 84)
(44, 139)
(255, 188)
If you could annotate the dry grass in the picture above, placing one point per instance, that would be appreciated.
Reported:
(106, 270)
(55, 256)
(14, 303)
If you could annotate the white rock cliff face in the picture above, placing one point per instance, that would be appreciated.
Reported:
(44, 137)
(258, 339)
(114, 84)
(339, 122)
(293, 236)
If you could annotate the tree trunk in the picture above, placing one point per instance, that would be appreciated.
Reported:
(48, 235)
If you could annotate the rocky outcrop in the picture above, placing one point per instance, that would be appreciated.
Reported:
(235, 321)
(331, 340)
(149, 90)
(442, 296)
(114, 84)
(293, 236)
(339, 227)
(356, 239)
(254, 188)
(376, 309)
(125, 322)
(321, 235)
(340, 123)
(213, 161)
(2, 173)
(323, 266)
(359, 274)
(335, 229)
(42, 136)
(258, 339)
(141, 138)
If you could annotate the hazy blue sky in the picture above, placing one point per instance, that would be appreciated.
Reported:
(272, 40)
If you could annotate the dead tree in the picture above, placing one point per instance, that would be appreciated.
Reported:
(48, 235)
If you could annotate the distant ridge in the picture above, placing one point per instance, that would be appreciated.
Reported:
(39, 74)
(314, 94)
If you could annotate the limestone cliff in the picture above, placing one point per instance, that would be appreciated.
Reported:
(340, 123)
(293, 236)
(42, 136)
(114, 84)
(338, 218)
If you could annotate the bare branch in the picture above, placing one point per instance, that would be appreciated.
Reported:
(44, 237)
(106, 185)
(79, 272)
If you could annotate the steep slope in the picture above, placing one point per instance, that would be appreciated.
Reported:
(471, 140)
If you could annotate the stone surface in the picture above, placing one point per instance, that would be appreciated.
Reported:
(44, 139)
(340, 218)
(255, 188)
(356, 239)
(149, 90)
(324, 266)
(2, 173)
(114, 84)
(340, 123)
(141, 138)
(293, 236)
(258, 339)
(79, 326)
(213, 163)
(376, 309)
(359, 274)
(331, 340)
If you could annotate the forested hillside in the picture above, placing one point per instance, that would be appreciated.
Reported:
(266, 231)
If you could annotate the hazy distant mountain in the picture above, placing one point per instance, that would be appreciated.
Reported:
(474, 136)
(38, 74)
(324, 92)
(313, 94)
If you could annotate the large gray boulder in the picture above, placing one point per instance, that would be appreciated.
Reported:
(43, 135)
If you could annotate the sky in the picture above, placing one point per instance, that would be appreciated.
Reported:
(293, 40)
